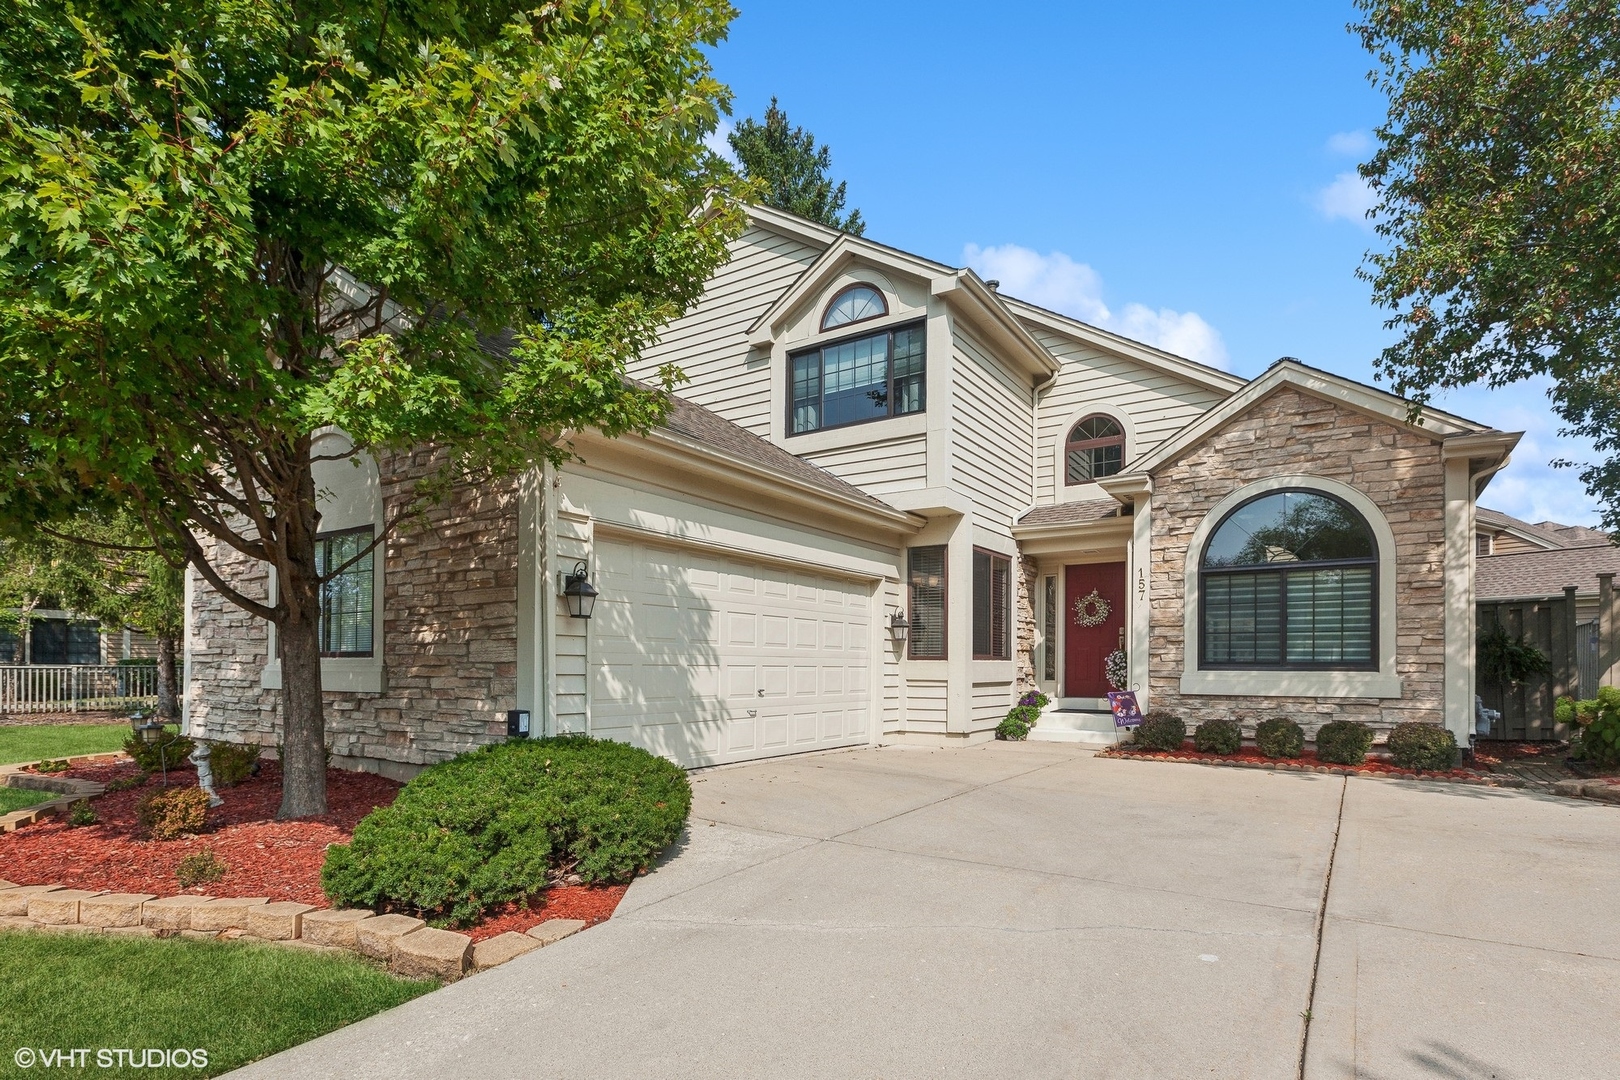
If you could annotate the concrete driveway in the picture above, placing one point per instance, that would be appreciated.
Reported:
(1028, 910)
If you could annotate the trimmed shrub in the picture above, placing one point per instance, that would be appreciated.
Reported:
(81, 814)
(232, 763)
(1279, 737)
(1598, 740)
(1161, 731)
(170, 749)
(200, 868)
(1218, 736)
(1018, 722)
(1424, 747)
(171, 813)
(500, 823)
(1343, 742)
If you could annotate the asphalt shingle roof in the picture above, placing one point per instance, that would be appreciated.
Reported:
(1073, 513)
(1544, 573)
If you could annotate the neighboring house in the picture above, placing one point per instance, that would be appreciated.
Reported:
(63, 638)
(874, 445)
(1521, 562)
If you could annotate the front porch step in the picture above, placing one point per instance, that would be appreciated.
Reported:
(1087, 727)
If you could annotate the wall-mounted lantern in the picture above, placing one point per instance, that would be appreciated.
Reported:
(577, 589)
(899, 627)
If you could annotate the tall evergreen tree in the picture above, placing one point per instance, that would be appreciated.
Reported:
(794, 172)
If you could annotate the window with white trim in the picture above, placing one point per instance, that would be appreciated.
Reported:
(1289, 580)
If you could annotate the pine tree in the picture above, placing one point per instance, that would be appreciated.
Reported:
(785, 159)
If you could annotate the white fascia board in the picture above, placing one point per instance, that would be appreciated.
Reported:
(843, 252)
(729, 470)
(1481, 444)
(1179, 366)
(975, 301)
(1102, 529)
(1438, 426)
(810, 232)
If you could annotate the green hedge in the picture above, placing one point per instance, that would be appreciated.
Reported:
(1343, 742)
(1279, 737)
(497, 824)
(1218, 736)
(1425, 747)
(1161, 731)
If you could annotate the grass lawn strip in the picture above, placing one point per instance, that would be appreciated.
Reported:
(18, 798)
(35, 743)
(238, 1002)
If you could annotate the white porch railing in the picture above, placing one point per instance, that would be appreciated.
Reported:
(52, 688)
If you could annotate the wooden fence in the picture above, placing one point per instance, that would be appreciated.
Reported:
(1527, 707)
(52, 688)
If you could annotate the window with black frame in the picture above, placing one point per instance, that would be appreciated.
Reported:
(1288, 580)
(858, 379)
(992, 587)
(927, 584)
(346, 600)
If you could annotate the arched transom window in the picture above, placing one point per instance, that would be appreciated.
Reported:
(1096, 448)
(855, 304)
(1289, 580)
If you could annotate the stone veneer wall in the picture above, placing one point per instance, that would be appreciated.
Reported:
(449, 640)
(1291, 432)
(1029, 576)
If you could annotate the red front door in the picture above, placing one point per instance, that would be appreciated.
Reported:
(1086, 647)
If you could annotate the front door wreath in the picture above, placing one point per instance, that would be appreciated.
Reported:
(1091, 610)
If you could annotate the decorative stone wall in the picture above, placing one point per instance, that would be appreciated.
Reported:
(1024, 622)
(1291, 432)
(449, 639)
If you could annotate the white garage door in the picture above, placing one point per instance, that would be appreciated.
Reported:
(706, 659)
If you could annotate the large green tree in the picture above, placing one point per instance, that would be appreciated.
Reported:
(227, 224)
(791, 170)
(1498, 176)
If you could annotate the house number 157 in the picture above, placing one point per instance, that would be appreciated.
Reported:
(1141, 584)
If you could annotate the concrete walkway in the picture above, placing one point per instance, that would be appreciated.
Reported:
(1032, 911)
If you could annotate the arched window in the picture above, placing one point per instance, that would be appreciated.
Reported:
(1096, 448)
(1289, 579)
(855, 304)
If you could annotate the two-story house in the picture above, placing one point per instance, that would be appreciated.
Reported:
(890, 499)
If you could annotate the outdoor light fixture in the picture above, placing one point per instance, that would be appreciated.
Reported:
(899, 627)
(579, 592)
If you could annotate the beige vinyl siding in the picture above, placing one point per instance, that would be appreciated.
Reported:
(991, 420)
(926, 705)
(879, 468)
(1508, 544)
(573, 542)
(889, 600)
(1158, 403)
(991, 703)
(710, 342)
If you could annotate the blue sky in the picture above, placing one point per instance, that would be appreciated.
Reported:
(1181, 172)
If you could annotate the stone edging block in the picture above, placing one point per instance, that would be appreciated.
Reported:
(407, 945)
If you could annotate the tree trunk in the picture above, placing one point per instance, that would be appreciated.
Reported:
(168, 703)
(303, 762)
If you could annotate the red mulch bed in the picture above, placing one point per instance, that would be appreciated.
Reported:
(265, 857)
(1497, 751)
(1307, 761)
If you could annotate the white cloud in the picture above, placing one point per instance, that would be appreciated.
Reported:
(1529, 488)
(1350, 143)
(1348, 197)
(1057, 282)
(716, 140)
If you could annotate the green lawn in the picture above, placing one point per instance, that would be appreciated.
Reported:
(37, 741)
(237, 1002)
(12, 798)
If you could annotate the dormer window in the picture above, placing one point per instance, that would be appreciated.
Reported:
(1096, 448)
(855, 304)
(871, 377)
